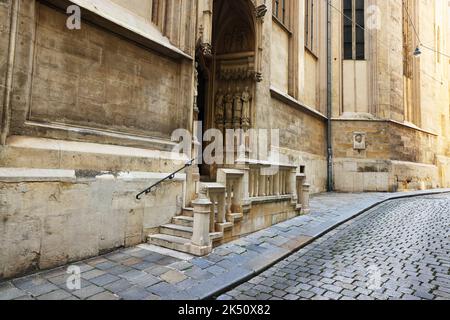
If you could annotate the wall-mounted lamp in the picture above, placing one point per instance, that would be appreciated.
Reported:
(417, 53)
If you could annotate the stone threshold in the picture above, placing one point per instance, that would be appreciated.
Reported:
(169, 275)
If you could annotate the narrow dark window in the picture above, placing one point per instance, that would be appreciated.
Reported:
(281, 11)
(311, 25)
(354, 33)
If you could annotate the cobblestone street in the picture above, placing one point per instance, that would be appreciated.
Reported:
(399, 250)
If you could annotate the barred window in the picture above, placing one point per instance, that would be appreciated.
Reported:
(281, 11)
(354, 33)
(311, 24)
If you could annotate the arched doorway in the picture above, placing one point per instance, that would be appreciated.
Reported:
(228, 73)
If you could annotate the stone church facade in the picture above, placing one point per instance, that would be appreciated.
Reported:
(88, 116)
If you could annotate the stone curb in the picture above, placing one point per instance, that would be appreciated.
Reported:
(212, 295)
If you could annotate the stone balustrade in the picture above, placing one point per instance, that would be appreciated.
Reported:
(268, 181)
(219, 203)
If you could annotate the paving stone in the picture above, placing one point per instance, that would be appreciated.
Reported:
(134, 293)
(106, 265)
(42, 289)
(133, 274)
(162, 289)
(29, 282)
(167, 261)
(87, 292)
(104, 280)
(10, 292)
(199, 274)
(350, 294)
(157, 271)
(117, 256)
(332, 295)
(215, 270)
(279, 293)
(92, 274)
(95, 261)
(55, 295)
(144, 265)
(145, 280)
(104, 296)
(26, 298)
(201, 263)
(119, 270)
(181, 266)
(118, 286)
(132, 262)
(173, 276)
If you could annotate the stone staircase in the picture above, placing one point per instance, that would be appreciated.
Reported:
(177, 235)
(216, 214)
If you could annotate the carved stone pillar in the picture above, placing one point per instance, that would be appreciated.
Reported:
(260, 12)
(205, 22)
(201, 242)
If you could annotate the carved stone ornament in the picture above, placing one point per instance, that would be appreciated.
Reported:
(206, 50)
(261, 11)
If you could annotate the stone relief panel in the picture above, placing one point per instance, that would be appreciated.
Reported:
(233, 107)
(91, 78)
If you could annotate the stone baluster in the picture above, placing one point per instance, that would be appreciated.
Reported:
(251, 182)
(256, 183)
(305, 198)
(229, 196)
(262, 185)
(277, 183)
(212, 217)
(292, 184)
(237, 196)
(221, 210)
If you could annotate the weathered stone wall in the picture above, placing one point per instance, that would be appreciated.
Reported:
(53, 217)
(4, 46)
(396, 157)
(91, 117)
(93, 78)
(280, 58)
(262, 215)
(302, 140)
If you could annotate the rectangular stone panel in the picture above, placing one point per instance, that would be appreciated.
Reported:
(93, 78)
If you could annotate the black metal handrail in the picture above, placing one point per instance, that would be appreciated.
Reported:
(169, 177)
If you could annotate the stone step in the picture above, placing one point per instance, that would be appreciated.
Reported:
(235, 217)
(185, 232)
(215, 236)
(170, 242)
(188, 212)
(183, 221)
(222, 227)
(176, 231)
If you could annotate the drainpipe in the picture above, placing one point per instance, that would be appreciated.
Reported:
(330, 186)
(9, 73)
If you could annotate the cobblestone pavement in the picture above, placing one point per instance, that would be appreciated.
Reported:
(147, 272)
(399, 250)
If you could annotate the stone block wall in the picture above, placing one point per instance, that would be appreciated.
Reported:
(91, 116)
(396, 157)
(302, 140)
(4, 48)
(52, 217)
